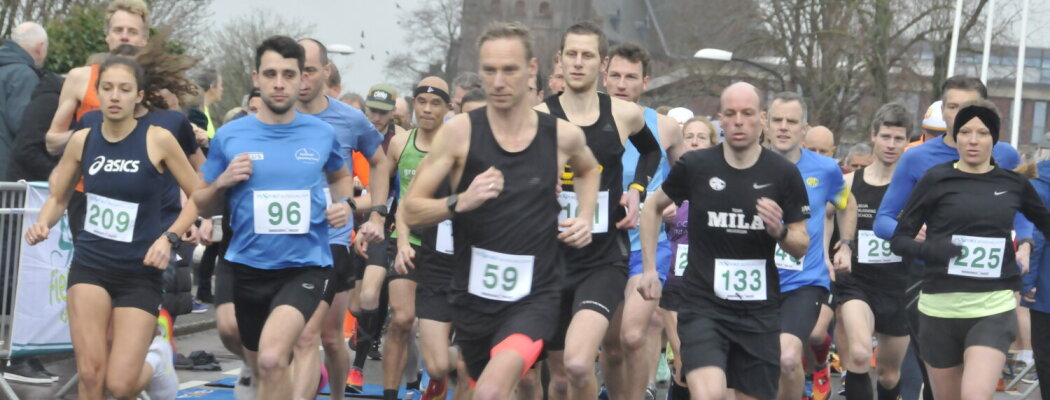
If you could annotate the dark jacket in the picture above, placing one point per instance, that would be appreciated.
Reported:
(18, 78)
(30, 160)
(1039, 266)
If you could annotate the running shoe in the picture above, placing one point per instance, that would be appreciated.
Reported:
(21, 371)
(374, 353)
(821, 383)
(243, 389)
(355, 380)
(39, 366)
(199, 307)
(436, 390)
(663, 373)
(650, 392)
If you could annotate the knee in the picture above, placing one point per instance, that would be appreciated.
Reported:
(271, 364)
(332, 340)
(559, 384)
(859, 358)
(227, 330)
(369, 298)
(121, 387)
(401, 320)
(632, 339)
(789, 361)
(489, 391)
(888, 377)
(91, 374)
(579, 369)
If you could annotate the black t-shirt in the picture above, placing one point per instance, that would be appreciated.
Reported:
(982, 207)
(731, 274)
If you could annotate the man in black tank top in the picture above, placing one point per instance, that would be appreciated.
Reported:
(868, 300)
(503, 161)
(597, 274)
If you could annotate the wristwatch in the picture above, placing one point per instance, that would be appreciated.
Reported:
(350, 202)
(848, 242)
(451, 203)
(783, 233)
(173, 238)
(381, 210)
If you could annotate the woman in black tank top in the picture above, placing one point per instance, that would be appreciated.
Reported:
(114, 283)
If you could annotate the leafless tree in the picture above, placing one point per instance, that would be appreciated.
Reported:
(432, 42)
(183, 17)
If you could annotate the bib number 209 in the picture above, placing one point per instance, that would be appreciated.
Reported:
(282, 211)
(110, 218)
(498, 276)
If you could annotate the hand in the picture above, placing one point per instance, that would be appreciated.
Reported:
(361, 245)
(159, 254)
(192, 235)
(205, 231)
(404, 257)
(239, 170)
(338, 214)
(939, 251)
(37, 233)
(771, 215)
(649, 286)
(486, 186)
(577, 232)
(921, 236)
(201, 135)
(843, 263)
(1022, 255)
(630, 199)
(372, 230)
(1030, 296)
(670, 213)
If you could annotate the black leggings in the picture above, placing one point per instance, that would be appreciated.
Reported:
(1041, 350)
(205, 270)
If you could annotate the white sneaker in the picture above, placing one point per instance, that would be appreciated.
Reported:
(245, 388)
(164, 385)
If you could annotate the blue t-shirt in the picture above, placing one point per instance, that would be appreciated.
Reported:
(914, 163)
(630, 161)
(824, 184)
(353, 131)
(285, 157)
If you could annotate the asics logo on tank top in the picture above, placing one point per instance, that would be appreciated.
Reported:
(102, 164)
(735, 221)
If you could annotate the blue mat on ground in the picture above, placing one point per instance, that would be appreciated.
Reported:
(206, 393)
(369, 391)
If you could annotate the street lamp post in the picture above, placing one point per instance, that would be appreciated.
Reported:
(723, 55)
(338, 48)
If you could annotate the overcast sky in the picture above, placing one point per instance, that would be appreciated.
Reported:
(338, 21)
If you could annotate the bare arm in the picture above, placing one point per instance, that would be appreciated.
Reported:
(671, 138)
(210, 198)
(341, 186)
(573, 144)
(62, 180)
(447, 152)
(58, 134)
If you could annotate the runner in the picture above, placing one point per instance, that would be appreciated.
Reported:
(503, 161)
(270, 170)
(698, 133)
(474, 100)
(640, 327)
(464, 83)
(589, 300)
(739, 194)
(556, 80)
(967, 304)
(805, 281)
(353, 132)
(868, 300)
(820, 140)
(115, 279)
(932, 124)
(859, 156)
(913, 164)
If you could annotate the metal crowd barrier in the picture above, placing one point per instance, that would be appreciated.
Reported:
(12, 207)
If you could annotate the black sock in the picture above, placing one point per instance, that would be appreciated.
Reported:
(678, 392)
(858, 386)
(365, 336)
(389, 394)
(889, 394)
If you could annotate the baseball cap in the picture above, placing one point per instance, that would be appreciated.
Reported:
(381, 97)
(934, 119)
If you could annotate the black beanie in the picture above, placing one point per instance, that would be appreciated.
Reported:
(988, 116)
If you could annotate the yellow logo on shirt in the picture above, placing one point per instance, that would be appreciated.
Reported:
(812, 181)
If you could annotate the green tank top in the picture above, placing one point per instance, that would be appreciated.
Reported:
(406, 170)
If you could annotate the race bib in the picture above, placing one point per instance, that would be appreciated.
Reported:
(740, 280)
(110, 218)
(787, 261)
(873, 250)
(282, 211)
(570, 207)
(982, 257)
(498, 276)
(444, 237)
(327, 198)
(681, 259)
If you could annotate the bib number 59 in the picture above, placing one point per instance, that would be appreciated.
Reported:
(504, 278)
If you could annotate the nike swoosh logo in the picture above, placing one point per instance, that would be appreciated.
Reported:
(999, 193)
(757, 186)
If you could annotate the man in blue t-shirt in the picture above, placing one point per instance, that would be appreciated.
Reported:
(805, 283)
(271, 170)
(353, 132)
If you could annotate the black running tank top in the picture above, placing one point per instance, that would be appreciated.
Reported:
(611, 248)
(124, 196)
(521, 221)
(881, 269)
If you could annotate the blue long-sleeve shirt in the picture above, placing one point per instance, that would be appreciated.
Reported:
(915, 162)
(1039, 274)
